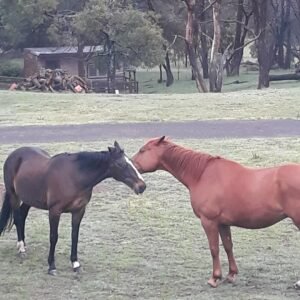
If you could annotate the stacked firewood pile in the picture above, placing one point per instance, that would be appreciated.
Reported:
(53, 80)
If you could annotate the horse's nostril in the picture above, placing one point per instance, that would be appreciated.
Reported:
(142, 188)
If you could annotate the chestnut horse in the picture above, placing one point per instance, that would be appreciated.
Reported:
(62, 183)
(224, 193)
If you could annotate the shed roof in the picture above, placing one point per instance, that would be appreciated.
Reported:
(62, 50)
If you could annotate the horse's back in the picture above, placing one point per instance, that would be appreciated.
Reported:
(24, 152)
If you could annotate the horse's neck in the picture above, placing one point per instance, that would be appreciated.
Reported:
(94, 166)
(185, 165)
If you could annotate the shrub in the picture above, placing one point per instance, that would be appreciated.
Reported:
(11, 69)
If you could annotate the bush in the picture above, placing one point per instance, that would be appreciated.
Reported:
(11, 69)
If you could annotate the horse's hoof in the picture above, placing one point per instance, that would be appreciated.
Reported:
(52, 272)
(230, 278)
(213, 282)
(76, 266)
(297, 285)
(77, 270)
(22, 255)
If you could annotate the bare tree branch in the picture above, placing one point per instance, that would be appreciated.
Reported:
(171, 45)
(243, 46)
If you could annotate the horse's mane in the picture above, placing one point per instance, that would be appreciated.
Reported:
(90, 160)
(187, 160)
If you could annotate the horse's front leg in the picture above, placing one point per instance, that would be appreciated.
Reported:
(76, 220)
(212, 233)
(225, 234)
(53, 221)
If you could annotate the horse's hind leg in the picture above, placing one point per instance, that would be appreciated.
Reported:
(18, 223)
(19, 215)
(24, 208)
(225, 234)
(296, 220)
(76, 220)
(293, 212)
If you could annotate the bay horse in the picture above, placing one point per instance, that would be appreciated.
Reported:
(60, 184)
(224, 193)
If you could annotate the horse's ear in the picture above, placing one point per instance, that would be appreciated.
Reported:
(117, 146)
(161, 140)
(111, 149)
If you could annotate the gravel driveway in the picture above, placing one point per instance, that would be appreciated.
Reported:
(181, 130)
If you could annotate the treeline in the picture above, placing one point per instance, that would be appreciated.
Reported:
(209, 35)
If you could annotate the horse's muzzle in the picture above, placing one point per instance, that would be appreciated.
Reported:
(139, 188)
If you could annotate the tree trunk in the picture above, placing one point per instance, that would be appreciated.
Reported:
(288, 54)
(167, 67)
(189, 37)
(80, 65)
(266, 41)
(201, 86)
(201, 16)
(111, 66)
(233, 64)
(160, 80)
(295, 76)
(216, 58)
(280, 36)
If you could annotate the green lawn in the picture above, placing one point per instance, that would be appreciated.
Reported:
(24, 108)
(152, 246)
(148, 82)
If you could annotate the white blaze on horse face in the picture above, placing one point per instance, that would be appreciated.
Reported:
(134, 168)
(21, 247)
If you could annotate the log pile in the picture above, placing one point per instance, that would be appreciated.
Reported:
(289, 76)
(53, 80)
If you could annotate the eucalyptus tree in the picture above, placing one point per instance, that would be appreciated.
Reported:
(23, 23)
(170, 15)
(121, 29)
(265, 27)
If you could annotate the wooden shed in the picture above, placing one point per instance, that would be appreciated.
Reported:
(66, 58)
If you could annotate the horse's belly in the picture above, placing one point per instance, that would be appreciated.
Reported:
(37, 203)
(256, 220)
(31, 192)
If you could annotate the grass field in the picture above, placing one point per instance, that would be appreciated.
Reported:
(19, 108)
(184, 85)
(152, 246)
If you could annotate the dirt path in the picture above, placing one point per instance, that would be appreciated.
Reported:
(193, 129)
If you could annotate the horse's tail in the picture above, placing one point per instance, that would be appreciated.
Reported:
(6, 214)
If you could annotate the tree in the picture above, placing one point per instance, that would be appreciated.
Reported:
(243, 16)
(201, 29)
(189, 41)
(264, 27)
(216, 58)
(283, 33)
(170, 14)
(123, 30)
(24, 24)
